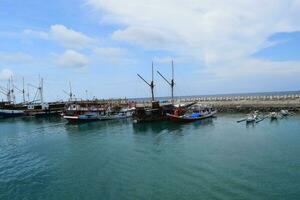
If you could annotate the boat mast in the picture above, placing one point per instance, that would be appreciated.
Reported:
(41, 90)
(11, 87)
(8, 95)
(23, 91)
(151, 85)
(71, 93)
(171, 83)
(4, 91)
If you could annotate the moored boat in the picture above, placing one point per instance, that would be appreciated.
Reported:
(274, 115)
(93, 111)
(155, 112)
(181, 115)
(5, 113)
(9, 110)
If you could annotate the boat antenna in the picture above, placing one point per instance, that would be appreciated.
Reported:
(171, 83)
(151, 85)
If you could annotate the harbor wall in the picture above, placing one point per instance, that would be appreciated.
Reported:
(265, 103)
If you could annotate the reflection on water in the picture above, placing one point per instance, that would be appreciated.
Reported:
(94, 126)
(158, 127)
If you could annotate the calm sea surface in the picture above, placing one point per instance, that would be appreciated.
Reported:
(212, 159)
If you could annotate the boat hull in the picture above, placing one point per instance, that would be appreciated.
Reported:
(11, 113)
(80, 119)
(91, 118)
(184, 119)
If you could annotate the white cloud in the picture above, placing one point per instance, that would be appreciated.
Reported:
(5, 74)
(63, 35)
(37, 34)
(112, 55)
(70, 38)
(212, 30)
(15, 58)
(251, 67)
(72, 59)
(147, 37)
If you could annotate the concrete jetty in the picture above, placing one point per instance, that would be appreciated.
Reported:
(264, 103)
(248, 103)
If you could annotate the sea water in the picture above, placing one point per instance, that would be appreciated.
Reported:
(211, 159)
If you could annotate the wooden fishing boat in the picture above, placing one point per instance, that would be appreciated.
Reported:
(190, 118)
(251, 118)
(274, 115)
(92, 111)
(9, 110)
(156, 112)
(181, 115)
(284, 113)
(6, 113)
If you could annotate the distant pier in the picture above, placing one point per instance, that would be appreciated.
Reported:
(244, 103)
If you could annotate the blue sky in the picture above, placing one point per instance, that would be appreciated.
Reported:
(217, 47)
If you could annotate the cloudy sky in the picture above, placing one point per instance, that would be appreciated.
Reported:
(218, 46)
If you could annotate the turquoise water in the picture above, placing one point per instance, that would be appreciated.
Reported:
(212, 159)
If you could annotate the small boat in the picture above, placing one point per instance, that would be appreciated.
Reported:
(251, 118)
(284, 113)
(87, 112)
(83, 117)
(122, 114)
(274, 115)
(196, 115)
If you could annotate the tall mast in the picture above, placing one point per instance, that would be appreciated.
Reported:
(23, 91)
(151, 85)
(71, 94)
(28, 98)
(12, 93)
(8, 91)
(42, 91)
(171, 83)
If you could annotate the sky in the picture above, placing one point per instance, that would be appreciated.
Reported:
(218, 46)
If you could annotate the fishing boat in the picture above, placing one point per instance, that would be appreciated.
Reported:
(6, 112)
(251, 118)
(284, 113)
(155, 110)
(124, 113)
(44, 109)
(36, 107)
(199, 113)
(94, 111)
(274, 115)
